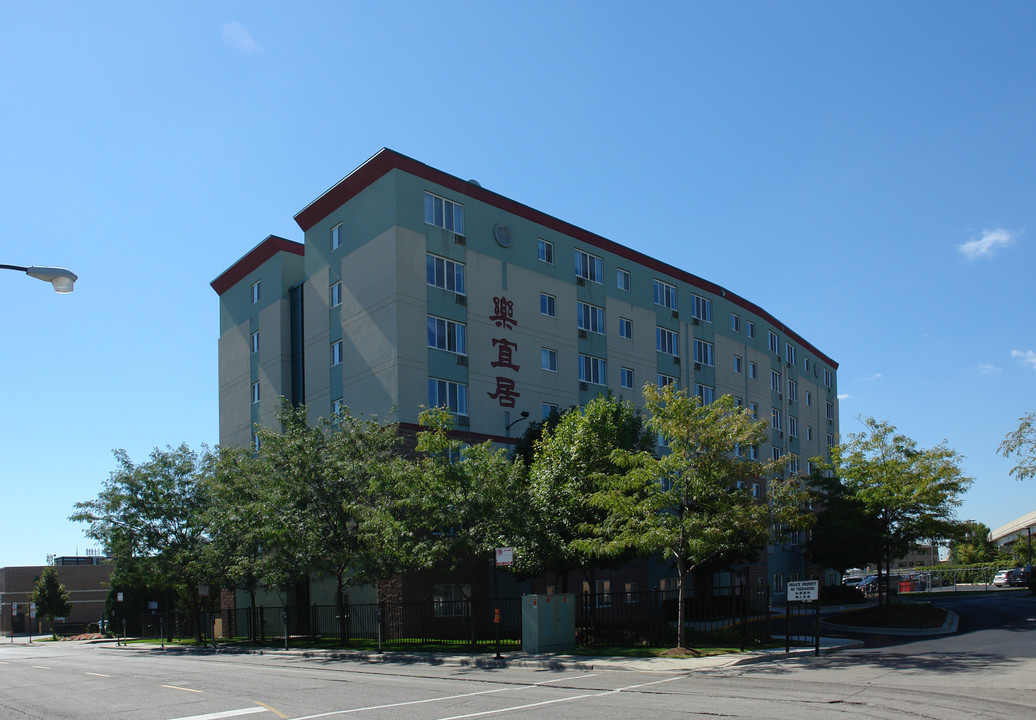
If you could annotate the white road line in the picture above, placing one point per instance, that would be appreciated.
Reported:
(411, 702)
(177, 687)
(225, 714)
(41, 667)
(558, 700)
(98, 674)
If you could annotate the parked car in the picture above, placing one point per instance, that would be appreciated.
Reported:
(869, 585)
(852, 581)
(1011, 578)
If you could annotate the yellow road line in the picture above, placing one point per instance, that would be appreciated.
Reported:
(278, 713)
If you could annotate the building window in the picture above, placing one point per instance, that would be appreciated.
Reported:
(735, 322)
(830, 440)
(447, 335)
(622, 279)
(626, 378)
(336, 294)
(664, 380)
(775, 419)
(545, 251)
(626, 328)
(701, 309)
(754, 407)
(809, 433)
(589, 267)
(445, 274)
(793, 426)
(753, 370)
(549, 359)
(337, 352)
(631, 593)
(775, 453)
(447, 394)
(775, 381)
(789, 353)
(443, 213)
(255, 392)
(666, 341)
(737, 363)
(255, 341)
(548, 305)
(706, 394)
(739, 402)
(336, 236)
(793, 390)
(256, 292)
(750, 329)
(665, 295)
(450, 600)
(778, 582)
(703, 352)
(775, 343)
(547, 408)
(753, 454)
(592, 370)
(590, 318)
(793, 464)
(827, 378)
(809, 399)
(755, 485)
(830, 411)
(805, 364)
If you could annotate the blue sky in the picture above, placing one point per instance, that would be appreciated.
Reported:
(864, 171)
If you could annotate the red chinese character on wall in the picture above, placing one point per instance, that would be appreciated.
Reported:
(504, 354)
(505, 392)
(503, 313)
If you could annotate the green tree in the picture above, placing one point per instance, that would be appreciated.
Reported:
(51, 598)
(1022, 444)
(910, 490)
(845, 535)
(569, 461)
(685, 504)
(971, 545)
(150, 519)
(456, 504)
(320, 508)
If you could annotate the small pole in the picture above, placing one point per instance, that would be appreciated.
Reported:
(816, 627)
(496, 608)
(787, 625)
(161, 628)
(285, 616)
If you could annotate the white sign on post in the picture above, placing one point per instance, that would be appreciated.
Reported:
(803, 590)
(504, 557)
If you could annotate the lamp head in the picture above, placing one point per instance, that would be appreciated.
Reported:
(63, 280)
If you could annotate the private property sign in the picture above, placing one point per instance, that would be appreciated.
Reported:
(803, 590)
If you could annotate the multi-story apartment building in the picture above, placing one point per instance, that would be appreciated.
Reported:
(416, 288)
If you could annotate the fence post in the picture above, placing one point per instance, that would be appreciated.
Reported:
(381, 619)
(262, 622)
(816, 627)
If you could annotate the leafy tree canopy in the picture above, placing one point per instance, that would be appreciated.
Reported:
(1022, 444)
(50, 596)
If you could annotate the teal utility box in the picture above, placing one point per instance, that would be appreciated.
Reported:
(548, 623)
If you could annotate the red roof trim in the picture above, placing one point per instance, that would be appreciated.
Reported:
(253, 259)
(385, 160)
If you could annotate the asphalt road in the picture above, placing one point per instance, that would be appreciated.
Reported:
(986, 670)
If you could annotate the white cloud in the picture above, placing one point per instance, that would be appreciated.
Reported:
(238, 37)
(987, 369)
(986, 243)
(844, 396)
(1028, 357)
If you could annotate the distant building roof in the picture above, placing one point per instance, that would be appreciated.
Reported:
(1012, 530)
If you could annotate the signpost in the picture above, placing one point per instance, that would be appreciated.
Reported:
(504, 558)
(803, 591)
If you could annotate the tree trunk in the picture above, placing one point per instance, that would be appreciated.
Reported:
(340, 601)
(681, 570)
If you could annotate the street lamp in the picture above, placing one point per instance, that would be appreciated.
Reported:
(60, 278)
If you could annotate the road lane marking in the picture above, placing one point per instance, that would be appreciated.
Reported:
(224, 714)
(41, 667)
(411, 702)
(175, 687)
(98, 674)
(278, 713)
(559, 700)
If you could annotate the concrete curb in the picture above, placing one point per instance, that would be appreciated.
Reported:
(948, 627)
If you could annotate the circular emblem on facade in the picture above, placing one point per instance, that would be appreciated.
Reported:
(502, 233)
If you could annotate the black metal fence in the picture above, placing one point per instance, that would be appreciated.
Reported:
(465, 623)
(732, 615)
(735, 615)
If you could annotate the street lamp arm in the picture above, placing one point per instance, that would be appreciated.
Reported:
(62, 279)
